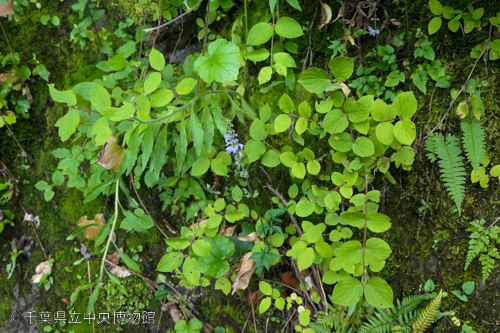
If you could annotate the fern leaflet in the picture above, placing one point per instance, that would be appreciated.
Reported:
(473, 141)
(426, 317)
(451, 167)
(318, 328)
(483, 241)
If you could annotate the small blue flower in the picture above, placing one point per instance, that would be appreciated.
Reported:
(373, 32)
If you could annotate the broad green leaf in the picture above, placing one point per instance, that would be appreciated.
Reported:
(156, 60)
(68, 124)
(282, 122)
(201, 248)
(208, 128)
(118, 114)
(185, 86)
(332, 200)
(342, 68)
(258, 130)
(347, 292)
(468, 287)
(341, 142)
(194, 326)
(363, 147)
(299, 170)
(260, 33)
(495, 171)
(265, 304)
(170, 262)
(377, 250)
(216, 264)
(304, 208)
(315, 80)
(288, 159)
(405, 105)
(378, 222)
(67, 96)
(271, 159)
(285, 59)
(434, 25)
(222, 64)
(356, 111)
(385, 133)
(200, 167)
(454, 25)
(435, 7)
(288, 28)
(223, 284)
(286, 104)
(378, 293)
(152, 82)
(306, 259)
(254, 150)
(351, 253)
(313, 167)
(257, 55)
(380, 111)
(265, 288)
(196, 133)
(117, 63)
(405, 132)
(405, 155)
(265, 75)
(301, 125)
(101, 130)
(219, 166)
(191, 270)
(478, 13)
(324, 249)
(161, 97)
(448, 12)
(181, 147)
(99, 97)
(335, 122)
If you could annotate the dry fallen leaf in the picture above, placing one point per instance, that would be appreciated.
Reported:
(111, 154)
(119, 271)
(115, 257)
(326, 15)
(249, 238)
(42, 269)
(91, 232)
(198, 224)
(229, 231)
(6, 9)
(287, 278)
(245, 273)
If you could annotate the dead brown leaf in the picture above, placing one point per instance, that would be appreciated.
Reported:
(91, 232)
(229, 231)
(287, 278)
(249, 238)
(119, 271)
(42, 269)
(111, 154)
(245, 273)
(6, 9)
(326, 15)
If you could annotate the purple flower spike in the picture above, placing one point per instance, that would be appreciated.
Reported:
(372, 31)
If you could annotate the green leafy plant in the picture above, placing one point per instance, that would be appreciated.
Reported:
(483, 243)
(467, 289)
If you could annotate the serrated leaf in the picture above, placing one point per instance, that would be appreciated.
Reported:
(99, 97)
(342, 68)
(68, 124)
(378, 293)
(347, 292)
(221, 65)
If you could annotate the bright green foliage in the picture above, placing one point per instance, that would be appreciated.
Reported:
(473, 141)
(483, 243)
(222, 63)
(426, 317)
(451, 165)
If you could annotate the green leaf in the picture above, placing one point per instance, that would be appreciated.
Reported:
(55, 20)
(313, 167)
(201, 248)
(58, 178)
(286, 104)
(161, 97)
(434, 25)
(170, 262)
(44, 19)
(264, 305)
(257, 55)
(385, 133)
(216, 264)
(435, 7)
(288, 28)
(478, 13)
(288, 159)
(454, 25)
(299, 170)
(342, 68)
(405, 155)
(301, 125)
(282, 122)
(271, 159)
(405, 132)
(265, 75)
(67, 96)
(207, 122)
(223, 284)
(260, 33)
(341, 142)
(347, 292)
(118, 114)
(117, 63)
(306, 259)
(304, 208)
(405, 105)
(258, 130)
(380, 111)
(378, 222)
(377, 250)
(99, 97)
(200, 167)
(194, 326)
(185, 86)
(378, 293)
(285, 59)
(315, 80)
(156, 60)
(356, 111)
(68, 124)
(219, 166)
(335, 121)
(152, 82)
(254, 150)
(363, 147)
(351, 253)
(495, 171)
(468, 287)
(324, 249)
(196, 133)
(221, 65)
(265, 288)
(181, 147)
(191, 270)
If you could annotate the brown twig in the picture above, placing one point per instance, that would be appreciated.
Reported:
(95, 29)
(253, 311)
(143, 206)
(175, 19)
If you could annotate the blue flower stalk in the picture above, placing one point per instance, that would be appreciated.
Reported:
(233, 147)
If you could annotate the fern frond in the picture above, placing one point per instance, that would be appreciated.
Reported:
(475, 247)
(473, 140)
(430, 146)
(488, 262)
(427, 315)
(379, 322)
(318, 328)
(409, 304)
(451, 167)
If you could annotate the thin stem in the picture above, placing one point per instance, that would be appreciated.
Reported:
(175, 19)
(113, 224)
(95, 29)
(10, 48)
